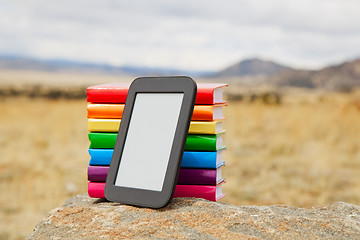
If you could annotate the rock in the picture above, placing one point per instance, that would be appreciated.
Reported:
(84, 218)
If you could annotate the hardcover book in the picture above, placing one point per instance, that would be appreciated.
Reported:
(186, 175)
(115, 111)
(199, 142)
(203, 142)
(108, 93)
(207, 93)
(196, 127)
(211, 193)
(191, 159)
(196, 159)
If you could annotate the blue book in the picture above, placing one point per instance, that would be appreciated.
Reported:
(202, 159)
(100, 157)
(212, 160)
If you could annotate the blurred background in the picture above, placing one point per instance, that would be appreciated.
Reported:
(293, 68)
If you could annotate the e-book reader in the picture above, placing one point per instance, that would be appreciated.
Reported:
(150, 141)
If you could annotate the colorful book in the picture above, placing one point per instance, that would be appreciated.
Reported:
(108, 93)
(98, 110)
(207, 93)
(97, 173)
(200, 113)
(96, 189)
(100, 157)
(200, 142)
(203, 142)
(211, 193)
(186, 175)
(206, 127)
(191, 159)
(211, 160)
(189, 176)
(196, 127)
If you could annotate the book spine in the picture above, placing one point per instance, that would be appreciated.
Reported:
(103, 125)
(112, 125)
(205, 96)
(186, 176)
(199, 159)
(193, 142)
(197, 176)
(96, 190)
(191, 159)
(100, 157)
(107, 95)
(201, 143)
(206, 192)
(97, 173)
(118, 95)
(102, 140)
(114, 111)
(203, 113)
(201, 127)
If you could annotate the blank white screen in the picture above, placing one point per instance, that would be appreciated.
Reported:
(149, 140)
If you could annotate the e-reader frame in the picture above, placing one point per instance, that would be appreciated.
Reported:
(153, 85)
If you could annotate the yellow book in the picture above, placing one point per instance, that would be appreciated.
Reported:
(104, 125)
(196, 127)
(209, 127)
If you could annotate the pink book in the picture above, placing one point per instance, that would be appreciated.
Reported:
(211, 193)
(96, 189)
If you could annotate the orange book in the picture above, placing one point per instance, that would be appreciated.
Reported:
(105, 110)
(114, 111)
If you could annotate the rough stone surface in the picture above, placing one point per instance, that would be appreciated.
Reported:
(185, 218)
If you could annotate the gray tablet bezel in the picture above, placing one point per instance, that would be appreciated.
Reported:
(143, 197)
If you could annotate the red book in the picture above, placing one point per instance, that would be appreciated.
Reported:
(108, 93)
(211, 193)
(207, 93)
(210, 93)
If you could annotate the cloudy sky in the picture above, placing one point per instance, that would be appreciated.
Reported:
(187, 34)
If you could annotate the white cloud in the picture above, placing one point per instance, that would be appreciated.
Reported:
(182, 34)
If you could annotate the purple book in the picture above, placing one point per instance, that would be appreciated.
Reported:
(187, 176)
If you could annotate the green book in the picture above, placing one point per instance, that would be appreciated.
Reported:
(202, 142)
(208, 142)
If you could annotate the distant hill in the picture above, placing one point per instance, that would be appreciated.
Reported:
(23, 63)
(252, 67)
(341, 77)
(250, 72)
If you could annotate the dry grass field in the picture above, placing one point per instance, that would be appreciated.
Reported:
(303, 152)
(43, 149)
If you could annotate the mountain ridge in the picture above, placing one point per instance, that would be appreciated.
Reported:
(249, 72)
(342, 77)
(252, 67)
(60, 65)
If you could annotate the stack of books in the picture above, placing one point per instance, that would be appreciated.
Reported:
(200, 174)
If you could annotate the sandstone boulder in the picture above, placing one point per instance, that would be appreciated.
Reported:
(185, 218)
